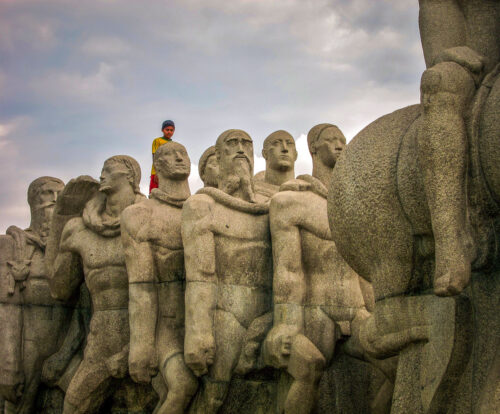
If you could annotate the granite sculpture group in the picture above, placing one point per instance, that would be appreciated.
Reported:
(370, 286)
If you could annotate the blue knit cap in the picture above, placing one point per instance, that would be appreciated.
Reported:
(167, 123)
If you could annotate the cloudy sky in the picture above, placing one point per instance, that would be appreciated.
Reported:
(82, 81)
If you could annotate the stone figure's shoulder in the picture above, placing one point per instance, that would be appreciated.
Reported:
(197, 206)
(72, 229)
(136, 216)
(290, 197)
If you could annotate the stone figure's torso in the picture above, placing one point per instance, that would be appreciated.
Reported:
(243, 260)
(330, 282)
(164, 235)
(103, 263)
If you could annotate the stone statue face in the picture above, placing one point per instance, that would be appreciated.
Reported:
(114, 175)
(47, 195)
(329, 146)
(280, 153)
(173, 162)
(237, 153)
(43, 204)
(211, 172)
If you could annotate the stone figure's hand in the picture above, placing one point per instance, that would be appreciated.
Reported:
(11, 393)
(248, 358)
(117, 364)
(75, 195)
(143, 366)
(295, 185)
(199, 353)
(53, 368)
(464, 56)
(278, 345)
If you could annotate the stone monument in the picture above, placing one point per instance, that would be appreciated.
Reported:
(151, 235)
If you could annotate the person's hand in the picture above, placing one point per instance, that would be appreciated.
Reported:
(278, 345)
(199, 353)
(143, 365)
(295, 185)
(248, 358)
(117, 364)
(464, 56)
(11, 393)
(75, 195)
(53, 368)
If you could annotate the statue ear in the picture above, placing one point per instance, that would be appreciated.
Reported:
(264, 153)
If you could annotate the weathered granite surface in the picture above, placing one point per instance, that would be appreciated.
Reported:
(413, 207)
(370, 286)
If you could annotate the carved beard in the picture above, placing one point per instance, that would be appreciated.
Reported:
(42, 217)
(238, 177)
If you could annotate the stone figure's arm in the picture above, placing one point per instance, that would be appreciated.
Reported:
(55, 365)
(201, 286)
(143, 298)
(67, 271)
(442, 26)
(289, 284)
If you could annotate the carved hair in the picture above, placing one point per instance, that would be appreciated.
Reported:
(316, 131)
(204, 159)
(133, 168)
(227, 134)
(276, 134)
(36, 185)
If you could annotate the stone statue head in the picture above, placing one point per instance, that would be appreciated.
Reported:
(42, 196)
(171, 161)
(118, 171)
(279, 151)
(234, 151)
(208, 167)
(325, 142)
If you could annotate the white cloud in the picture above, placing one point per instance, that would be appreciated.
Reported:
(98, 78)
(93, 87)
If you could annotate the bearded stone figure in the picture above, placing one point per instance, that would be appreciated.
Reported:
(227, 250)
(32, 323)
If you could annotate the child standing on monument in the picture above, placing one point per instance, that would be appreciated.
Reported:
(168, 129)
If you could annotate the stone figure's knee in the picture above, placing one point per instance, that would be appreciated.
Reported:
(306, 362)
(184, 387)
(446, 84)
